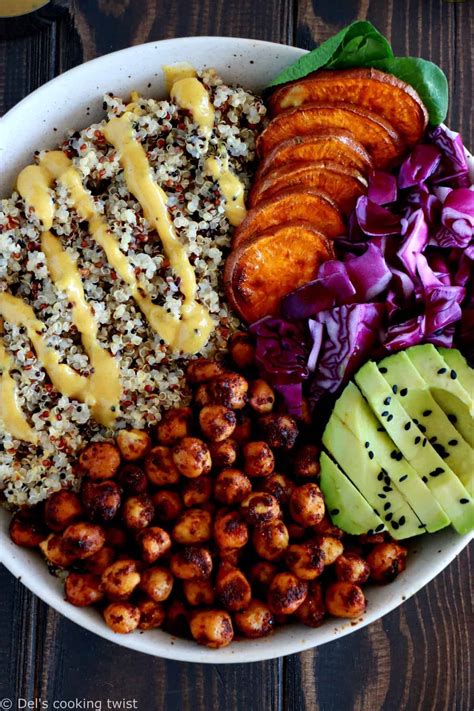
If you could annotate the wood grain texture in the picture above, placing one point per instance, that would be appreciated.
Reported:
(418, 657)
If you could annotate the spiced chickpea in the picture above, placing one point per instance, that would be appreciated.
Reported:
(122, 617)
(116, 537)
(232, 588)
(258, 459)
(286, 593)
(83, 539)
(231, 486)
(154, 542)
(157, 583)
(351, 568)
(255, 621)
(306, 561)
(224, 454)
(193, 526)
(201, 396)
(26, 530)
(230, 530)
(174, 425)
(55, 552)
(296, 532)
(101, 500)
(331, 546)
(278, 486)
(262, 573)
(199, 593)
(242, 349)
(307, 505)
(120, 579)
(100, 460)
(191, 562)
(326, 528)
(160, 467)
(212, 628)
(176, 619)
(138, 512)
(192, 457)
(271, 540)
(371, 539)
(260, 507)
(231, 556)
(133, 444)
(243, 429)
(386, 561)
(97, 563)
(279, 431)
(306, 463)
(230, 390)
(82, 589)
(132, 479)
(261, 397)
(345, 600)
(217, 422)
(168, 504)
(197, 491)
(201, 370)
(313, 609)
(61, 509)
(152, 614)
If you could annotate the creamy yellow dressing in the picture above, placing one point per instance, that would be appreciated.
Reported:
(175, 72)
(190, 333)
(230, 186)
(33, 184)
(13, 420)
(295, 97)
(12, 8)
(190, 94)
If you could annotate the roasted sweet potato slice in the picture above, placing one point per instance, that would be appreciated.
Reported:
(288, 205)
(260, 272)
(371, 130)
(382, 93)
(336, 145)
(343, 185)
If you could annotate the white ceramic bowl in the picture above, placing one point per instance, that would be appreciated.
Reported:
(39, 121)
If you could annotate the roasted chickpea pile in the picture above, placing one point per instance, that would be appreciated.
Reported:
(211, 525)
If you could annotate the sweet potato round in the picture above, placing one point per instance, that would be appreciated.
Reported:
(375, 133)
(377, 91)
(261, 271)
(343, 185)
(332, 144)
(292, 204)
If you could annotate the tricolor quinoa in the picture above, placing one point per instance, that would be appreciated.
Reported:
(152, 376)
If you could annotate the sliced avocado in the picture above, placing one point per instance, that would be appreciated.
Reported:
(345, 504)
(442, 482)
(358, 463)
(446, 388)
(459, 364)
(413, 393)
(354, 412)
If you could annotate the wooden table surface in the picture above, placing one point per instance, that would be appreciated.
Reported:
(416, 658)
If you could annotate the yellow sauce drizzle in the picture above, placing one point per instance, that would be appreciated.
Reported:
(11, 416)
(13, 8)
(34, 184)
(192, 331)
(230, 186)
(295, 97)
(190, 94)
(175, 72)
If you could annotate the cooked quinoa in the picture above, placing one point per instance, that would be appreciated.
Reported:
(152, 376)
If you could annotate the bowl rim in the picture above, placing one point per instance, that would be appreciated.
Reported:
(302, 638)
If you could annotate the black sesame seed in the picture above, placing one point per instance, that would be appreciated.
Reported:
(425, 479)
(399, 457)
(427, 413)
(452, 442)
(382, 496)
(389, 516)
(387, 400)
(453, 419)
(394, 389)
(384, 413)
(370, 531)
(422, 428)
(463, 501)
(403, 392)
(433, 439)
(422, 525)
(395, 525)
(383, 369)
(334, 512)
(389, 418)
(387, 506)
(403, 478)
(371, 455)
(393, 454)
(387, 488)
(407, 426)
(367, 445)
(376, 512)
(434, 473)
(387, 480)
(424, 442)
(401, 521)
(379, 528)
(380, 476)
(441, 371)
(415, 420)
(417, 439)
(384, 471)
(380, 429)
(453, 375)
